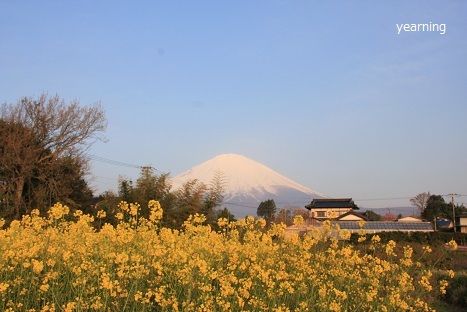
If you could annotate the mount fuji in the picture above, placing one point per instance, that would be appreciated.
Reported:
(248, 183)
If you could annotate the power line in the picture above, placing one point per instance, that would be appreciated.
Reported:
(390, 198)
(117, 163)
(106, 178)
(239, 205)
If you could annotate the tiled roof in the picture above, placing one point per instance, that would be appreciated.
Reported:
(385, 226)
(330, 203)
(443, 223)
(351, 212)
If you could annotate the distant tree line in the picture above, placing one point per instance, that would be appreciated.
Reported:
(434, 207)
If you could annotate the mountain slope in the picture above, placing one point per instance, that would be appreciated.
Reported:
(247, 183)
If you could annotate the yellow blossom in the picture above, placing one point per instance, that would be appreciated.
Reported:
(442, 286)
(134, 208)
(221, 222)
(3, 287)
(37, 266)
(451, 273)
(452, 245)
(427, 249)
(298, 220)
(344, 234)
(58, 211)
(375, 239)
(101, 214)
(390, 248)
(155, 210)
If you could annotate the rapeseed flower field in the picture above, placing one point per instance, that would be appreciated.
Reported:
(62, 263)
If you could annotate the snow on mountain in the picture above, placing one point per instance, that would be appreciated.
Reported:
(247, 183)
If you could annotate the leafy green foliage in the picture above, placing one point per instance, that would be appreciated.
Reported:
(267, 209)
(437, 207)
(372, 216)
(456, 292)
(194, 197)
(225, 213)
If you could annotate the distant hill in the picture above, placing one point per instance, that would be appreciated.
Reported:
(404, 211)
(248, 183)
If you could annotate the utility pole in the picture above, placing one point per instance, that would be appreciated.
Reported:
(453, 209)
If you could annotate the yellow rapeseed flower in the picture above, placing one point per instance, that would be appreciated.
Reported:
(451, 273)
(134, 208)
(44, 287)
(427, 249)
(345, 234)
(298, 220)
(452, 245)
(58, 211)
(425, 281)
(3, 287)
(390, 248)
(442, 286)
(119, 216)
(375, 239)
(156, 210)
(37, 266)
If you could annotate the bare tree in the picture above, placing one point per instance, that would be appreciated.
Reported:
(36, 134)
(420, 201)
(305, 213)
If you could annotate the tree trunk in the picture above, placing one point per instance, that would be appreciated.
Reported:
(18, 199)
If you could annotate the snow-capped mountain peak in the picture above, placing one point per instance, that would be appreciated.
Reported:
(247, 182)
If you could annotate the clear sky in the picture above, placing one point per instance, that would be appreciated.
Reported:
(327, 93)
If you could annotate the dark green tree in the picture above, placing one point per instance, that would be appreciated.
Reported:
(372, 216)
(222, 213)
(267, 210)
(225, 213)
(107, 202)
(126, 192)
(436, 207)
(150, 186)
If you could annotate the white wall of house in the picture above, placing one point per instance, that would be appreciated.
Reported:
(409, 219)
(328, 213)
(351, 217)
(462, 221)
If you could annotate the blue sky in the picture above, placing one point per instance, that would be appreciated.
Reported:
(326, 93)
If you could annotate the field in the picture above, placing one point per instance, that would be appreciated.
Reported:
(62, 263)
